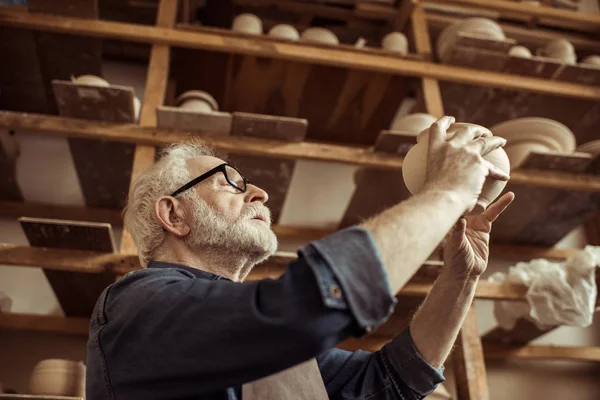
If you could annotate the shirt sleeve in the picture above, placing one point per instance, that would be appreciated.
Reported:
(397, 372)
(162, 334)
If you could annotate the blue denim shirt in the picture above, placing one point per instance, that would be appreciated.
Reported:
(175, 332)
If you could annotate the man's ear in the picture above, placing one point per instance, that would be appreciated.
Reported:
(171, 214)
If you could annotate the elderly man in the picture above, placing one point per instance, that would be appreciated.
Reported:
(188, 326)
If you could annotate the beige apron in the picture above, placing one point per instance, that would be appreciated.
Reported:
(302, 382)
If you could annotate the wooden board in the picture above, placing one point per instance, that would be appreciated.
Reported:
(77, 292)
(103, 168)
(269, 127)
(9, 188)
(216, 123)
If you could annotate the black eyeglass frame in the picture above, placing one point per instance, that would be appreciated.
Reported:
(208, 174)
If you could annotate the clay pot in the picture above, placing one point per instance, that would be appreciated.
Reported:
(395, 42)
(58, 378)
(591, 60)
(482, 27)
(559, 49)
(247, 23)
(413, 123)
(320, 35)
(519, 51)
(197, 101)
(284, 31)
(518, 152)
(414, 168)
(91, 80)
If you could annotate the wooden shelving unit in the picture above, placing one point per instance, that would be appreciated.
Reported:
(347, 95)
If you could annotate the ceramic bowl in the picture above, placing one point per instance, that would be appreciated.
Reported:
(414, 167)
(320, 35)
(477, 26)
(56, 377)
(552, 133)
(247, 23)
(413, 123)
(198, 101)
(91, 80)
(518, 152)
(284, 31)
(519, 51)
(591, 60)
(592, 147)
(559, 49)
(395, 42)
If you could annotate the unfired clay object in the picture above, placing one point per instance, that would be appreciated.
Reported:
(56, 377)
(320, 35)
(247, 23)
(559, 49)
(591, 60)
(518, 152)
(91, 80)
(198, 101)
(413, 123)
(284, 31)
(482, 27)
(519, 51)
(414, 168)
(553, 134)
(395, 42)
(592, 147)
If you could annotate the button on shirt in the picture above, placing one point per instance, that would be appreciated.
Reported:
(175, 332)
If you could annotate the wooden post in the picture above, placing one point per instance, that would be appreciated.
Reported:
(156, 87)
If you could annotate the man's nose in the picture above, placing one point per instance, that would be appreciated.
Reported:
(254, 193)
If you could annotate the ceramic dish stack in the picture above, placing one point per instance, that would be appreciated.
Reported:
(559, 49)
(539, 135)
(592, 147)
(482, 27)
(56, 377)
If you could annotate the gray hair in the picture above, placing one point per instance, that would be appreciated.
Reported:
(164, 177)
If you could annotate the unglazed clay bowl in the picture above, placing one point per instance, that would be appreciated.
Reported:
(555, 135)
(559, 49)
(247, 23)
(414, 168)
(519, 51)
(197, 101)
(91, 80)
(518, 152)
(477, 26)
(395, 42)
(56, 377)
(284, 31)
(592, 147)
(591, 60)
(413, 123)
(320, 35)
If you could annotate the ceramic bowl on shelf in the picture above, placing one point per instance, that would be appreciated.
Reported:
(247, 23)
(591, 60)
(413, 123)
(519, 51)
(320, 35)
(518, 152)
(395, 42)
(414, 167)
(91, 80)
(482, 27)
(553, 134)
(55, 377)
(198, 101)
(559, 49)
(592, 147)
(284, 31)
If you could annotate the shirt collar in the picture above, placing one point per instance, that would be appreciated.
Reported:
(198, 273)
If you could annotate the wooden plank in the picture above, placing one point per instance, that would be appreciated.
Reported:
(9, 187)
(395, 142)
(523, 332)
(269, 127)
(468, 362)
(45, 323)
(216, 123)
(36, 397)
(76, 213)
(405, 10)
(482, 60)
(355, 155)
(76, 292)
(580, 73)
(541, 352)
(535, 66)
(307, 53)
(465, 39)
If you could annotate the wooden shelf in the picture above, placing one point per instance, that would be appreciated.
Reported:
(36, 397)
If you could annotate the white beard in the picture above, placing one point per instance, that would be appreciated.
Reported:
(245, 238)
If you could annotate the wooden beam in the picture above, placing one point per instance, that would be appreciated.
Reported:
(362, 156)
(156, 87)
(341, 56)
(542, 352)
(468, 361)
(403, 15)
(36, 397)
(75, 213)
(45, 323)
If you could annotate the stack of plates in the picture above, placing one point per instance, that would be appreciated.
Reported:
(540, 135)
(592, 147)
(476, 26)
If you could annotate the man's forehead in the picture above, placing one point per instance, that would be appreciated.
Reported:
(201, 164)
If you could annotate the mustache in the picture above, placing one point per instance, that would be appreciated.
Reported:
(256, 210)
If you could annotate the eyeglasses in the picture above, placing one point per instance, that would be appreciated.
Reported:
(232, 175)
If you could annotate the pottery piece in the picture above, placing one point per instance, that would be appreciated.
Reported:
(395, 42)
(476, 26)
(5, 303)
(591, 60)
(56, 377)
(592, 147)
(91, 80)
(197, 101)
(320, 35)
(518, 152)
(414, 168)
(137, 107)
(413, 123)
(284, 31)
(559, 49)
(247, 23)
(543, 130)
(361, 42)
(519, 51)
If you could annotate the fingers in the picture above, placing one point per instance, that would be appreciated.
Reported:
(495, 172)
(485, 145)
(495, 209)
(467, 133)
(437, 131)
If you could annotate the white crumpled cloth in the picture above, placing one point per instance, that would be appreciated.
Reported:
(558, 293)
